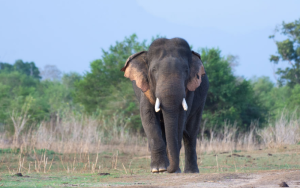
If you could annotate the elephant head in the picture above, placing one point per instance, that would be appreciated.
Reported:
(166, 73)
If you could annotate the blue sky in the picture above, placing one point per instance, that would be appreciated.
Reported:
(71, 33)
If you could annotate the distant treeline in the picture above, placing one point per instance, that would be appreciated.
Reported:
(47, 94)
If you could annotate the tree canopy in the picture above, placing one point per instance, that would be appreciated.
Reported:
(105, 88)
(230, 98)
(27, 68)
(288, 50)
(20, 86)
(105, 92)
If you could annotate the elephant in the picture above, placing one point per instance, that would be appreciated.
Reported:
(171, 85)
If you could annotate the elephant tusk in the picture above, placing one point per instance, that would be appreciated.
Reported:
(184, 105)
(157, 104)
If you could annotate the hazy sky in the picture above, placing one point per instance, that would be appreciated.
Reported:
(71, 33)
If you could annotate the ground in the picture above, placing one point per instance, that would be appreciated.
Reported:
(258, 179)
(44, 168)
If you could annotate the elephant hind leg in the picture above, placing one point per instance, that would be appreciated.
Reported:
(191, 165)
(190, 141)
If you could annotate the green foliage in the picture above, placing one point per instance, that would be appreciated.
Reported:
(105, 77)
(289, 50)
(263, 90)
(229, 97)
(17, 82)
(68, 80)
(43, 151)
(26, 68)
(106, 88)
(276, 99)
(10, 151)
(45, 99)
(294, 100)
(105, 92)
(14, 88)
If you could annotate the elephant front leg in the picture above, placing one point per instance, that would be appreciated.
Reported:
(153, 130)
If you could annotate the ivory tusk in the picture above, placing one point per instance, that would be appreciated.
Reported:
(157, 104)
(184, 105)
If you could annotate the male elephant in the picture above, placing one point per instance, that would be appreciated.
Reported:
(170, 84)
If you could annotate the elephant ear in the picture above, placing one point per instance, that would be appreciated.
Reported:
(136, 69)
(196, 72)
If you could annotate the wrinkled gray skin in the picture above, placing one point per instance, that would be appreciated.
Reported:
(169, 65)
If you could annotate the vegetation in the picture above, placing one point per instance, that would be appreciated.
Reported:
(288, 50)
(46, 168)
(29, 97)
(230, 98)
(105, 89)
(24, 93)
(66, 129)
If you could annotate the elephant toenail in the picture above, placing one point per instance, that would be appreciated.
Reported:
(162, 169)
(154, 170)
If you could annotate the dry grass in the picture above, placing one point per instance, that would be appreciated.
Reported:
(285, 131)
(76, 146)
(82, 134)
(78, 135)
(228, 140)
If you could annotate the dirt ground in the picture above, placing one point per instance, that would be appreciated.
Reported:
(258, 168)
(260, 179)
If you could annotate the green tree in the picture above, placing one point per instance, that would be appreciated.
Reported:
(294, 100)
(27, 68)
(48, 98)
(6, 67)
(229, 97)
(98, 86)
(105, 89)
(15, 87)
(276, 99)
(263, 88)
(70, 79)
(288, 50)
(58, 95)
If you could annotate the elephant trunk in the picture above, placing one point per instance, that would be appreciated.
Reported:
(171, 131)
(170, 93)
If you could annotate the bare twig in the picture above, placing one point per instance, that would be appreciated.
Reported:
(124, 168)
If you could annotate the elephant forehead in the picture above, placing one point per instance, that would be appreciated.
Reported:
(165, 55)
(170, 62)
(162, 48)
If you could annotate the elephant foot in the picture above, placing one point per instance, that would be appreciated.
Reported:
(191, 170)
(176, 172)
(159, 164)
